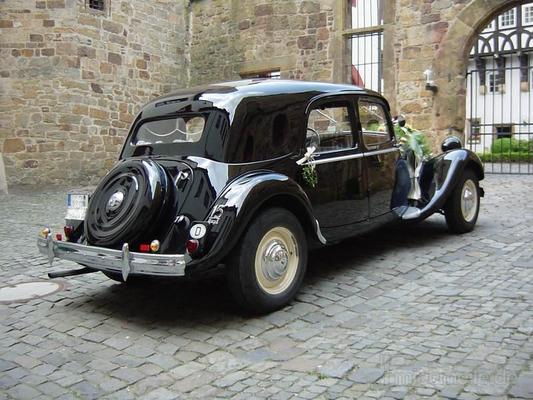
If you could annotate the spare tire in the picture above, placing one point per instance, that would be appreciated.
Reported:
(127, 204)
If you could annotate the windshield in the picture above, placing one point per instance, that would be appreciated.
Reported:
(183, 129)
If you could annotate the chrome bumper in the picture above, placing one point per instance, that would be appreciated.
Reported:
(121, 262)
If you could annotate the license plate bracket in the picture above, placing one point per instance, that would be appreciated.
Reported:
(77, 204)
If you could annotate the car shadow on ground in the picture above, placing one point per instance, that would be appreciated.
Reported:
(374, 245)
(175, 303)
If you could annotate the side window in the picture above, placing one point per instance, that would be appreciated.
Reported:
(330, 128)
(373, 124)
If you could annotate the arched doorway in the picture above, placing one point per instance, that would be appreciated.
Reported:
(499, 92)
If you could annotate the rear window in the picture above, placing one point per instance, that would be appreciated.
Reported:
(182, 129)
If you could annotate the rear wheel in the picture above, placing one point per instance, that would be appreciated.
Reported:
(268, 265)
(462, 208)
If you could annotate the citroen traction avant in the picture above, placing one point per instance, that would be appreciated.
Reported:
(243, 178)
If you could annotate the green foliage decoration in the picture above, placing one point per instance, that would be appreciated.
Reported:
(411, 139)
(309, 174)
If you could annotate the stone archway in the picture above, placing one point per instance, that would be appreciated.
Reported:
(450, 64)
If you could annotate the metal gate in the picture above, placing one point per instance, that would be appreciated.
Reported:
(499, 109)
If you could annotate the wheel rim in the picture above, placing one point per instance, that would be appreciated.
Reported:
(276, 260)
(469, 200)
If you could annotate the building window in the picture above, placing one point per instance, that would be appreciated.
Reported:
(507, 19)
(98, 5)
(528, 14)
(504, 131)
(366, 13)
(272, 74)
(474, 134)
(366, 43)
(494, 83)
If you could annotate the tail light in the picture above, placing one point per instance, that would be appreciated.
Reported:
(145, 248)
(68, 229)
(192, 245)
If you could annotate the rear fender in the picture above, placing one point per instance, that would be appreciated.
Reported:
(447, 169)
(236, 206)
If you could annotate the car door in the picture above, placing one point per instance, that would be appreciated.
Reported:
(381, 153)
(339, 197)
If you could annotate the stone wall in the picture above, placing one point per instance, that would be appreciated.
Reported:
(435, 34)
(72, 78)
(234, 38)
(304, 40)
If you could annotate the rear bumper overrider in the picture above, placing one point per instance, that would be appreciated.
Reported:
(121, 262)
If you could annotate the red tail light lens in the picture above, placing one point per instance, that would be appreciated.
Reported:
(68, 231)
(145, 248)
(192, 245)
(59, 237)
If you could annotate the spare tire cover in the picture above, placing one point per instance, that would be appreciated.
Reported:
(127, 203)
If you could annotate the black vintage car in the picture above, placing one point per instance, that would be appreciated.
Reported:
(245, 177)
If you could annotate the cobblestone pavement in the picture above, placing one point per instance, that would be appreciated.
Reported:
(405, 312)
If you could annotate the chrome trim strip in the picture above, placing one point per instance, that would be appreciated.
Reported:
(270, 160)
(125, 258)
(123, 262)
(50, 248)
(351, 156)
(319, 233)
(335, 159)
(384, 151)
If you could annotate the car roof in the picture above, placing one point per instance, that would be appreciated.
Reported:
(237, 90)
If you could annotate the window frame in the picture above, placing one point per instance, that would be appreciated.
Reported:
(474, 123)
(528, 14)
(371, 29)
(494, 82)
(274, 73)
(497, 134)
(391, 135)
(353, 123)
(505, 20)
(106, 11)
(134, 140)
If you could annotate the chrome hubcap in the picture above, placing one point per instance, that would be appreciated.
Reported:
(115, 201)
(276, 260)
(469, 200)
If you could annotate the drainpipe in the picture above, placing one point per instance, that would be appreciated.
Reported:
(3, 181)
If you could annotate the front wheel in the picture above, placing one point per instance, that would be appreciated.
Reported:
(462, 208)
(268, 265)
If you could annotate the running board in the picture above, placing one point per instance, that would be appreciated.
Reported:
(411, 213)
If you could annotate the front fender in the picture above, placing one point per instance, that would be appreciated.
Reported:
(448, 169)
(234, 209)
